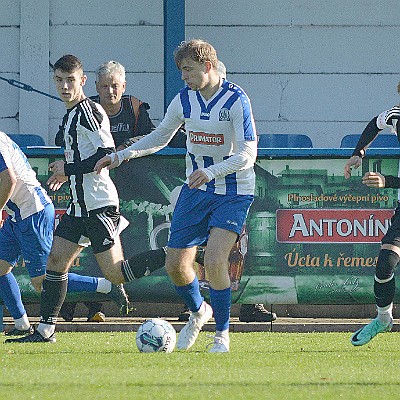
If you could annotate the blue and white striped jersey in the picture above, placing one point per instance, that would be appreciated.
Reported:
(221, 137)
(86, 131)
(214, 130)
(28, 196)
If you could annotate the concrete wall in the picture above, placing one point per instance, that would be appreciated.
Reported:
(321, 68)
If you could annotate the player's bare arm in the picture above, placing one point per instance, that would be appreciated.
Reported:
(374, 179)
(353, 162)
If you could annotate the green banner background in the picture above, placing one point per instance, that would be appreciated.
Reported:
(271, 275)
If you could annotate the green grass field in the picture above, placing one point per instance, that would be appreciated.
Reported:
(259, 366)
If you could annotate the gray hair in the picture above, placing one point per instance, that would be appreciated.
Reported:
(111, 68)
(221, 69)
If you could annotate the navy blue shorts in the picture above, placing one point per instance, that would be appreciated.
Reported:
(32, 238)
(197, 211)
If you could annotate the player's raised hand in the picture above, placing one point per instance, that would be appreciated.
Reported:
(374, 179)
(104, 162)
(354, 161)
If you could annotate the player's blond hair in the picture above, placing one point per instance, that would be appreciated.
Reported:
(198, 50)
(111, 68)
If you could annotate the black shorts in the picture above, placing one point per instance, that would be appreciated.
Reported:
(393, 233)
(98, 230)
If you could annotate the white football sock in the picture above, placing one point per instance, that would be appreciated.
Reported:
(22, 323)
(103, 285)
(223, 334)
(201, 310)
(385, 313)
(46, 330)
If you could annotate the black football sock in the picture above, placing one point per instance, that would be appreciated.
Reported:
(384, 292)
(53, 296)
(143, 264)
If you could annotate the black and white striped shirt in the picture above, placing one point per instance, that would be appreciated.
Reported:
(87, 137)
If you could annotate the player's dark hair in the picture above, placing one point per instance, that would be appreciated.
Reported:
(198, 50)
(68, 63)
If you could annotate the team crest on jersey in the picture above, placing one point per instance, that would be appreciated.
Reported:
(224, 115)
(214, 139)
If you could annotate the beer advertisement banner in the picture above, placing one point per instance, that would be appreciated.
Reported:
(311, 236)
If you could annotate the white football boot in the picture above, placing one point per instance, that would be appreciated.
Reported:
(191, 330)
(221, 343)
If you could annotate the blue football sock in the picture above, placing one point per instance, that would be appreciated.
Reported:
(221, 305)
(81, 283)
(191, 295)
(11, 295)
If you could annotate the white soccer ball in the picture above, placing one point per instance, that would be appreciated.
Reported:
(156, 335)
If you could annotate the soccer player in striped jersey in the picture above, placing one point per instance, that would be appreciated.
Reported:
(129, 121)
(389, 254)
(219, 190)
(93, 214)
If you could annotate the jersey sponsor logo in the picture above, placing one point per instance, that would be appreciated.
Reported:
(213, 139)
(205, 114)
(224, 115)
(120, 127)
(331, 225)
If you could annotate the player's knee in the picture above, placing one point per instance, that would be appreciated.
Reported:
(175, 270)
(214, 260)
(180, 274)
(217, 272)
(387, 262)
(179, 262)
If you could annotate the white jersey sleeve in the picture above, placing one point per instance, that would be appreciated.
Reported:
(28, 196)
